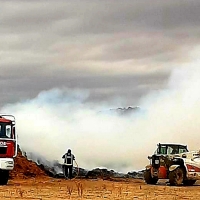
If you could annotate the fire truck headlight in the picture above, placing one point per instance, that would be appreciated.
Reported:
(9, 162)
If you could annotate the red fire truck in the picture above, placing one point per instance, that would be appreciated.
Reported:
(8, 146)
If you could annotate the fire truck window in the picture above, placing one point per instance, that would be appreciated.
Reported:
(13, 133)
(8, 131)
(2, 131)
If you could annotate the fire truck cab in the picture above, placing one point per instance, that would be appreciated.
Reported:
(8, 146)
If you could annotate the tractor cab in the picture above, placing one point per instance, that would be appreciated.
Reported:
(166, 149)
(173, 162)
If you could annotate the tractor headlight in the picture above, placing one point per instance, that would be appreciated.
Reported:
(157, 162)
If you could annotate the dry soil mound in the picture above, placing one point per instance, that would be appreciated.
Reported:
(25, 168)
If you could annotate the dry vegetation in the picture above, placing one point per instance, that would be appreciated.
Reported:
(49, 188)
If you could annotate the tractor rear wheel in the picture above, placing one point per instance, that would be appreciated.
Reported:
(176, 177)
(149, 179)
(189, 182)
(4, 175)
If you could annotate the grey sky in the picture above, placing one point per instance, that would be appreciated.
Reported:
(113, 48)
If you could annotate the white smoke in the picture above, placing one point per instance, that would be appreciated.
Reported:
(60, 119)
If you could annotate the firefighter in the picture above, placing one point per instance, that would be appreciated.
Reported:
(68, 163)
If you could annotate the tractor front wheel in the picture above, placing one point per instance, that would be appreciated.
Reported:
(4, 175)
(176, 177)
(149, 179)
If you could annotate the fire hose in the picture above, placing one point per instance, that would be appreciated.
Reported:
(77, 171)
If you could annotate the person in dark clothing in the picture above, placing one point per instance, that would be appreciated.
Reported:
(68, 163)
(175, 150)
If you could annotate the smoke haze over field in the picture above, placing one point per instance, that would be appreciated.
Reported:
(60, 118)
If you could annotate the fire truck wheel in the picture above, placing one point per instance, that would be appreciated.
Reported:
(176, 177)
(4, 175)
(149, 179)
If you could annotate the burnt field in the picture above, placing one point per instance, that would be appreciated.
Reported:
(50, 188)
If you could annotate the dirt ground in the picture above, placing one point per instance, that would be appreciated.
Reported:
(49, 188)
(28, 181)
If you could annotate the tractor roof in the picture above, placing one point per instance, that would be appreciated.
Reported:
(172, 144)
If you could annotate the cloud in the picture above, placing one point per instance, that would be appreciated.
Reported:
(82, 44)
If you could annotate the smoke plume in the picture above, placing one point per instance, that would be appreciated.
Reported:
(61, 118)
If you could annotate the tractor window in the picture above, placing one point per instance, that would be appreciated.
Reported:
(163, 150)
(182, 149)
(173, 149)
(169, 150)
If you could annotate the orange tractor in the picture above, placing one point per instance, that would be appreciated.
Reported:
(175, 163)
(8, 146)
